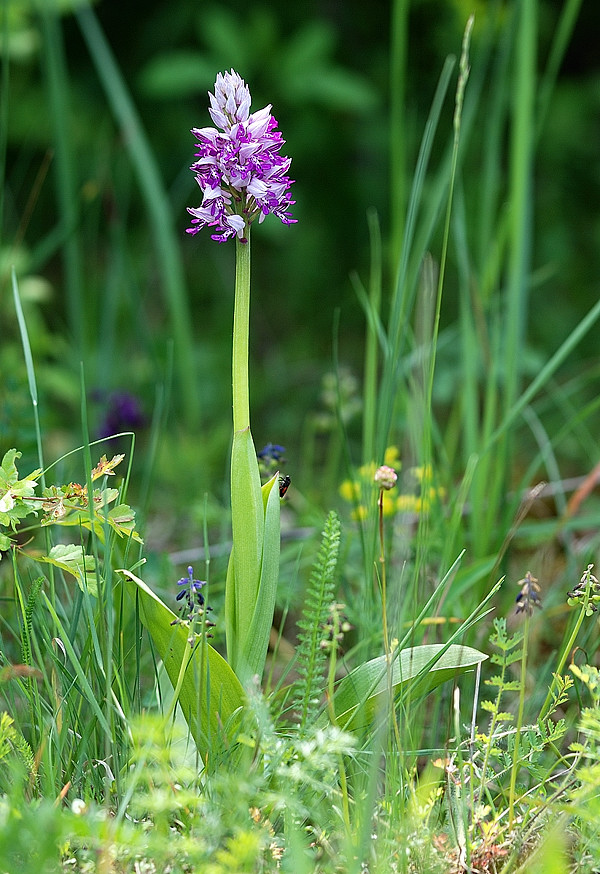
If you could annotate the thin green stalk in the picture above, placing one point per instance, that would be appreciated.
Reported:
(398, 53)
(521, 194)
(331, 708)
(519, 725)
(566, 649)
(382, 576)
(386, 637)
(372, 342)
(30, 372)
(403, 291)
(241, 330)
(460, 94)
(425, 439)
(4, 103)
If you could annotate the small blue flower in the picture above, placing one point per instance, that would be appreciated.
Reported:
(271, 451)
(529, 596)
(270, 458)
(191, 591)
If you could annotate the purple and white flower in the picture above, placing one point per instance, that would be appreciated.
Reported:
(239, 169)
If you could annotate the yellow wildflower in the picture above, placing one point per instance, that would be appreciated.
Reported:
(406, 504)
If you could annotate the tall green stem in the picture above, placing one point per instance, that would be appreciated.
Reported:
(241, 329)
(515, 761)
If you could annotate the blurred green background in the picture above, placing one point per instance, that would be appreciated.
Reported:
(94, 212)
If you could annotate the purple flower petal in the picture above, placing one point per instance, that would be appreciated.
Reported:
(238, 168)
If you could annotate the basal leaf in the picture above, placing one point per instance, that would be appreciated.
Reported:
(210, 694)
(255, 649)
(247, 522)
(418, 669)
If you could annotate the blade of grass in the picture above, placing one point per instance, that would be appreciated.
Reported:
(159, 210)
(560, 43)
(33, 393)
(4, 103)
(561, 354)
(84, 683)
(404, 292)
(520, 197)
(398, 53)
(372, 344)
(57, 83)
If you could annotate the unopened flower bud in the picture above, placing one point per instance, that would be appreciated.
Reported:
(386, 477)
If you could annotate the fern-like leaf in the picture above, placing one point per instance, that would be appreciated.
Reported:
(27, 629)
(320, 595)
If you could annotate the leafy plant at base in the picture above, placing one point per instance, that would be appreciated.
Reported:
(66, 505)
(585, 798)
(15, 751)
(13, 495)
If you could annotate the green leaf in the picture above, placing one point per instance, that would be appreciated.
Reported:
(210, 694)
(254, 651)
(504, 716)
(365, 689)
(120, 518)
(13, 491)
(72, 559)
(247, 522)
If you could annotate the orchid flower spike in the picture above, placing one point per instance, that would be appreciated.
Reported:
(239, 169)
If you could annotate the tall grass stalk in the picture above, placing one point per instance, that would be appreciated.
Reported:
(403, 294)
(398, 120)
(519, 723)
(33, 392)
(372, 307)
(4, 103)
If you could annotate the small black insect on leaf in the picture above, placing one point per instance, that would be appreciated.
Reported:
(284, 484)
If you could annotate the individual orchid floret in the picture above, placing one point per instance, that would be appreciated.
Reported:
(239, 169)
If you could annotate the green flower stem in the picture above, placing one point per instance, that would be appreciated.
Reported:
(565, 652)
(333, 718)
(386, 638)
(383, 579)
(241, 329)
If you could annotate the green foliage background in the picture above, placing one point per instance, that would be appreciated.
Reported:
(326, 71)
(96, 106)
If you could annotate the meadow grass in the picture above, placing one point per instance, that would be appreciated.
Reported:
(356, 752)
